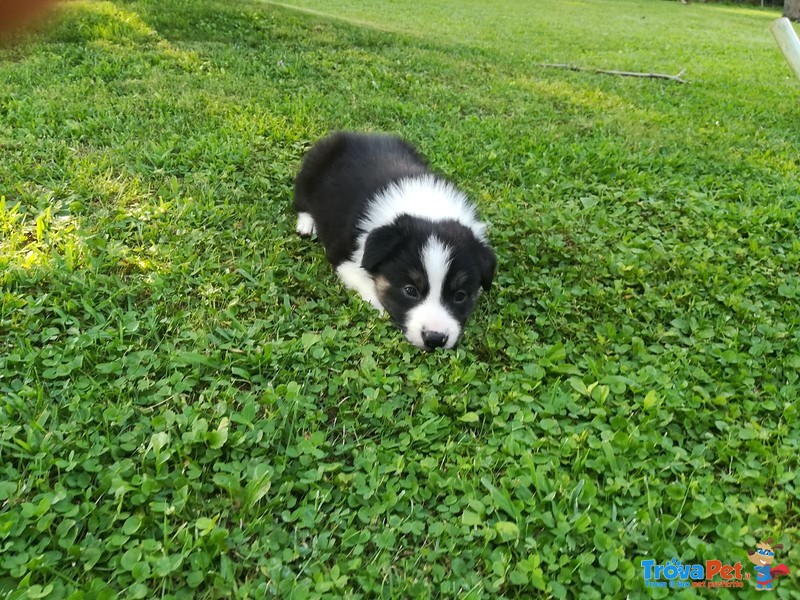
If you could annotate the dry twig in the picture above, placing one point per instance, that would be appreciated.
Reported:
(621, 73)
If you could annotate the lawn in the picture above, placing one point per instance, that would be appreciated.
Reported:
(194, 407)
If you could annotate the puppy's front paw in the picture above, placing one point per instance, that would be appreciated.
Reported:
(305, 224)
(376, 304)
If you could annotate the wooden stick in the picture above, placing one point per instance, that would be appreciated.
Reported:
(621, 73)
(787, 40)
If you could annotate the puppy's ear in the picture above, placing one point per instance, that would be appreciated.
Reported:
(486, 264)
(380, 245)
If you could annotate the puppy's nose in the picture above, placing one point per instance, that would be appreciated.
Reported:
(434, 339)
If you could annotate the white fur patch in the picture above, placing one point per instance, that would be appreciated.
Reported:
(431, 315)
(305, 224)
(356, 278)
(424, 196)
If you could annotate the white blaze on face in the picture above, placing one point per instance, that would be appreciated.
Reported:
(431, 315)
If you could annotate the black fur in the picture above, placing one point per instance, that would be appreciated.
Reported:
(340, 174)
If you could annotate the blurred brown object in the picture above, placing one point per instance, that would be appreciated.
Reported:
(15, 14)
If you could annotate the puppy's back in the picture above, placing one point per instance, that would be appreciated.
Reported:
(341, 174)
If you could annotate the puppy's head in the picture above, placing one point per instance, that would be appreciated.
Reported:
(428, 275)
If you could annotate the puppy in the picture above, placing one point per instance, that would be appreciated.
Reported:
(404, 238)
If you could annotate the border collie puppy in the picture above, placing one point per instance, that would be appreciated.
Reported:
(405, 239)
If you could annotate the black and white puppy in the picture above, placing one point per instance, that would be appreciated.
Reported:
(404, 238)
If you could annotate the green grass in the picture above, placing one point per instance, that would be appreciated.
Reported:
(194, 407)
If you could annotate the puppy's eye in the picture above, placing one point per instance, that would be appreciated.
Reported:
(459, 296)
(411, 292)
